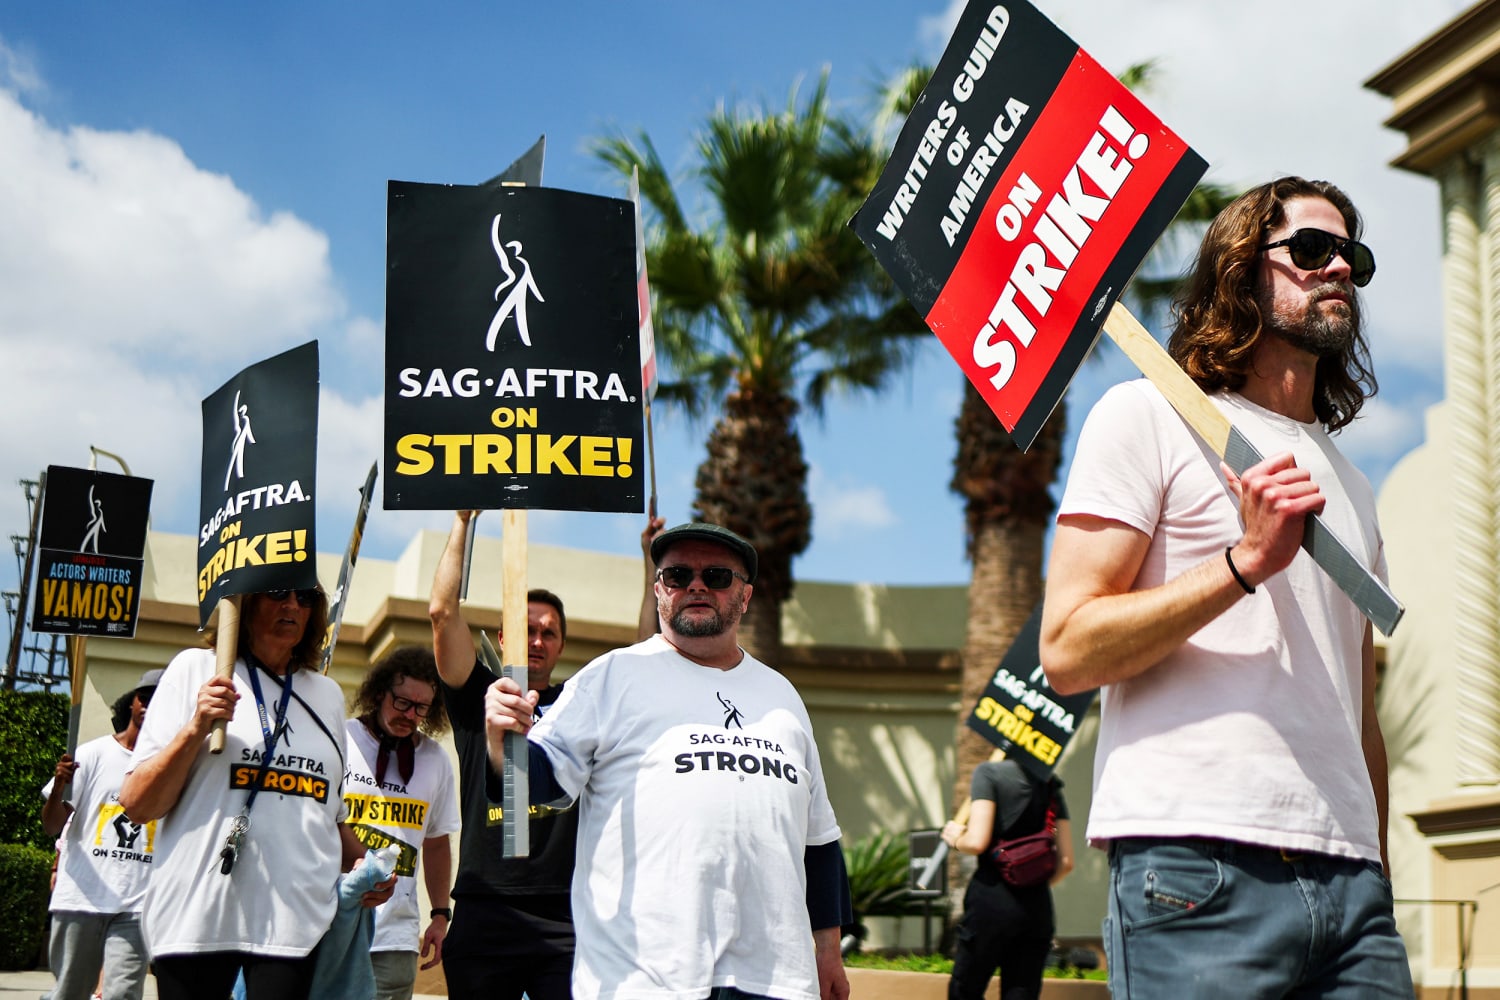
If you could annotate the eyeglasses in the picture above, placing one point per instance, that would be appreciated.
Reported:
(305, 598)
(404, 705)
(713, 577)
(1312, 249)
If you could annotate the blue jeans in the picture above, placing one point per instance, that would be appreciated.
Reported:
(1205, 918)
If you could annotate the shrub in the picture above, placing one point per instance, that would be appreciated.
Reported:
(878, 870)
(34, 732)
(25, 877)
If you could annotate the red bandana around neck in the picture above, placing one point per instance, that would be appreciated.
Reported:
(404, 748)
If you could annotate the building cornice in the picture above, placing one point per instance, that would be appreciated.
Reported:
(1445, 91)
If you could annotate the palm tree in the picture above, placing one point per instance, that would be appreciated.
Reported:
(1007, 503)
(767, 304)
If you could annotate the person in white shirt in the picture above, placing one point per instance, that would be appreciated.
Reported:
(399, 790)
(1240, 777)
(708, 854)
(106, 862)
(252, 843)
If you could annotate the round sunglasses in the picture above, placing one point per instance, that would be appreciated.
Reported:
(1312, 249)
(714, 577)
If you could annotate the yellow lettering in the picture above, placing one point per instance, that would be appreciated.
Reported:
(505, 416)
(415, 460)
(279, 547)
(551, 453)
(245, 553)
(594, 455)
(491, 453)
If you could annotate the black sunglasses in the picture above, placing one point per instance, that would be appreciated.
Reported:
(714, 577)
(305, 598)
(1312, 249)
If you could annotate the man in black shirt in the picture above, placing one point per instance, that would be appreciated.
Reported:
(512, 928)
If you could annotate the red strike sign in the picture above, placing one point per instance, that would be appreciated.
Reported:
(1023, 192)
(1059, 213)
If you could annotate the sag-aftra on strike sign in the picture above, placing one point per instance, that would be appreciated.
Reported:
(1025, 189)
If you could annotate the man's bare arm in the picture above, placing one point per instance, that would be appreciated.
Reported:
(55, 811)
(452, 645)
(1373, 742)
(437, 874)
(1096, 630)
(155, 784)
(833, 981)
(648, 624)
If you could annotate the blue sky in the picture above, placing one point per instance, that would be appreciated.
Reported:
(189, 188)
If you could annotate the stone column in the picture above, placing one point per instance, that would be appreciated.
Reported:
(1471, 294)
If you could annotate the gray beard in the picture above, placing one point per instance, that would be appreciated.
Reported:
(1314, 331)
(716, 624)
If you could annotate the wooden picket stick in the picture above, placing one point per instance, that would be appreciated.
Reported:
(226, 649)
(1371, 596)
(469, 529)
(77, 665)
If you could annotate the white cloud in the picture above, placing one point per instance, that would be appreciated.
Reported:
(843, 509)
(18, 72)
(117, 239)
(1385, 430)
(132, 283)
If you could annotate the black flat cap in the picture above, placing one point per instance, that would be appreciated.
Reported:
(698, 531)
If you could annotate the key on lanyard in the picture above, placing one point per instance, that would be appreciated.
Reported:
(238, 827)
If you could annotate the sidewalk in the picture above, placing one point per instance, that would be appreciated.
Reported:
(31, 985)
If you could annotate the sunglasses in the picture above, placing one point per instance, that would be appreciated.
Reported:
(305, 598)
(713, 577)
(403, 705)
(1312, 249)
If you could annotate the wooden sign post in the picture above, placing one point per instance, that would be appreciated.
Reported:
(226, 649)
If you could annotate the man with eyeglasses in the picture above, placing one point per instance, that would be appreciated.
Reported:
(1240, 777)
(512, 929)
(105, 863)
(708, 854)
(399, 790)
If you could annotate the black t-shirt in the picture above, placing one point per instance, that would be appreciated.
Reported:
(482, 868)
(1020, 800)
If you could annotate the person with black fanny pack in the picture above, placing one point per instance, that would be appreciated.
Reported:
(1008, 920)
(253, 843)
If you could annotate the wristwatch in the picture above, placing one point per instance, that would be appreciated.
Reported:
(445, 912)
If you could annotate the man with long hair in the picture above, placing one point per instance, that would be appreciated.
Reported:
(1240, 778)
(400, 791)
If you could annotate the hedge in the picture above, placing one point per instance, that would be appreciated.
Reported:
(33, 733)
(25, 881)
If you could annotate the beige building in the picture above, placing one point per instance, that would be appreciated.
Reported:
(1440, 508)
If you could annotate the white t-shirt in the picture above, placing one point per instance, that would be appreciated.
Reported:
(699, 790)
(280, 897)
(399, 813)
(1250, 731)
(106, 859)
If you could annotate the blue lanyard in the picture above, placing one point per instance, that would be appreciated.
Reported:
(271, 733)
